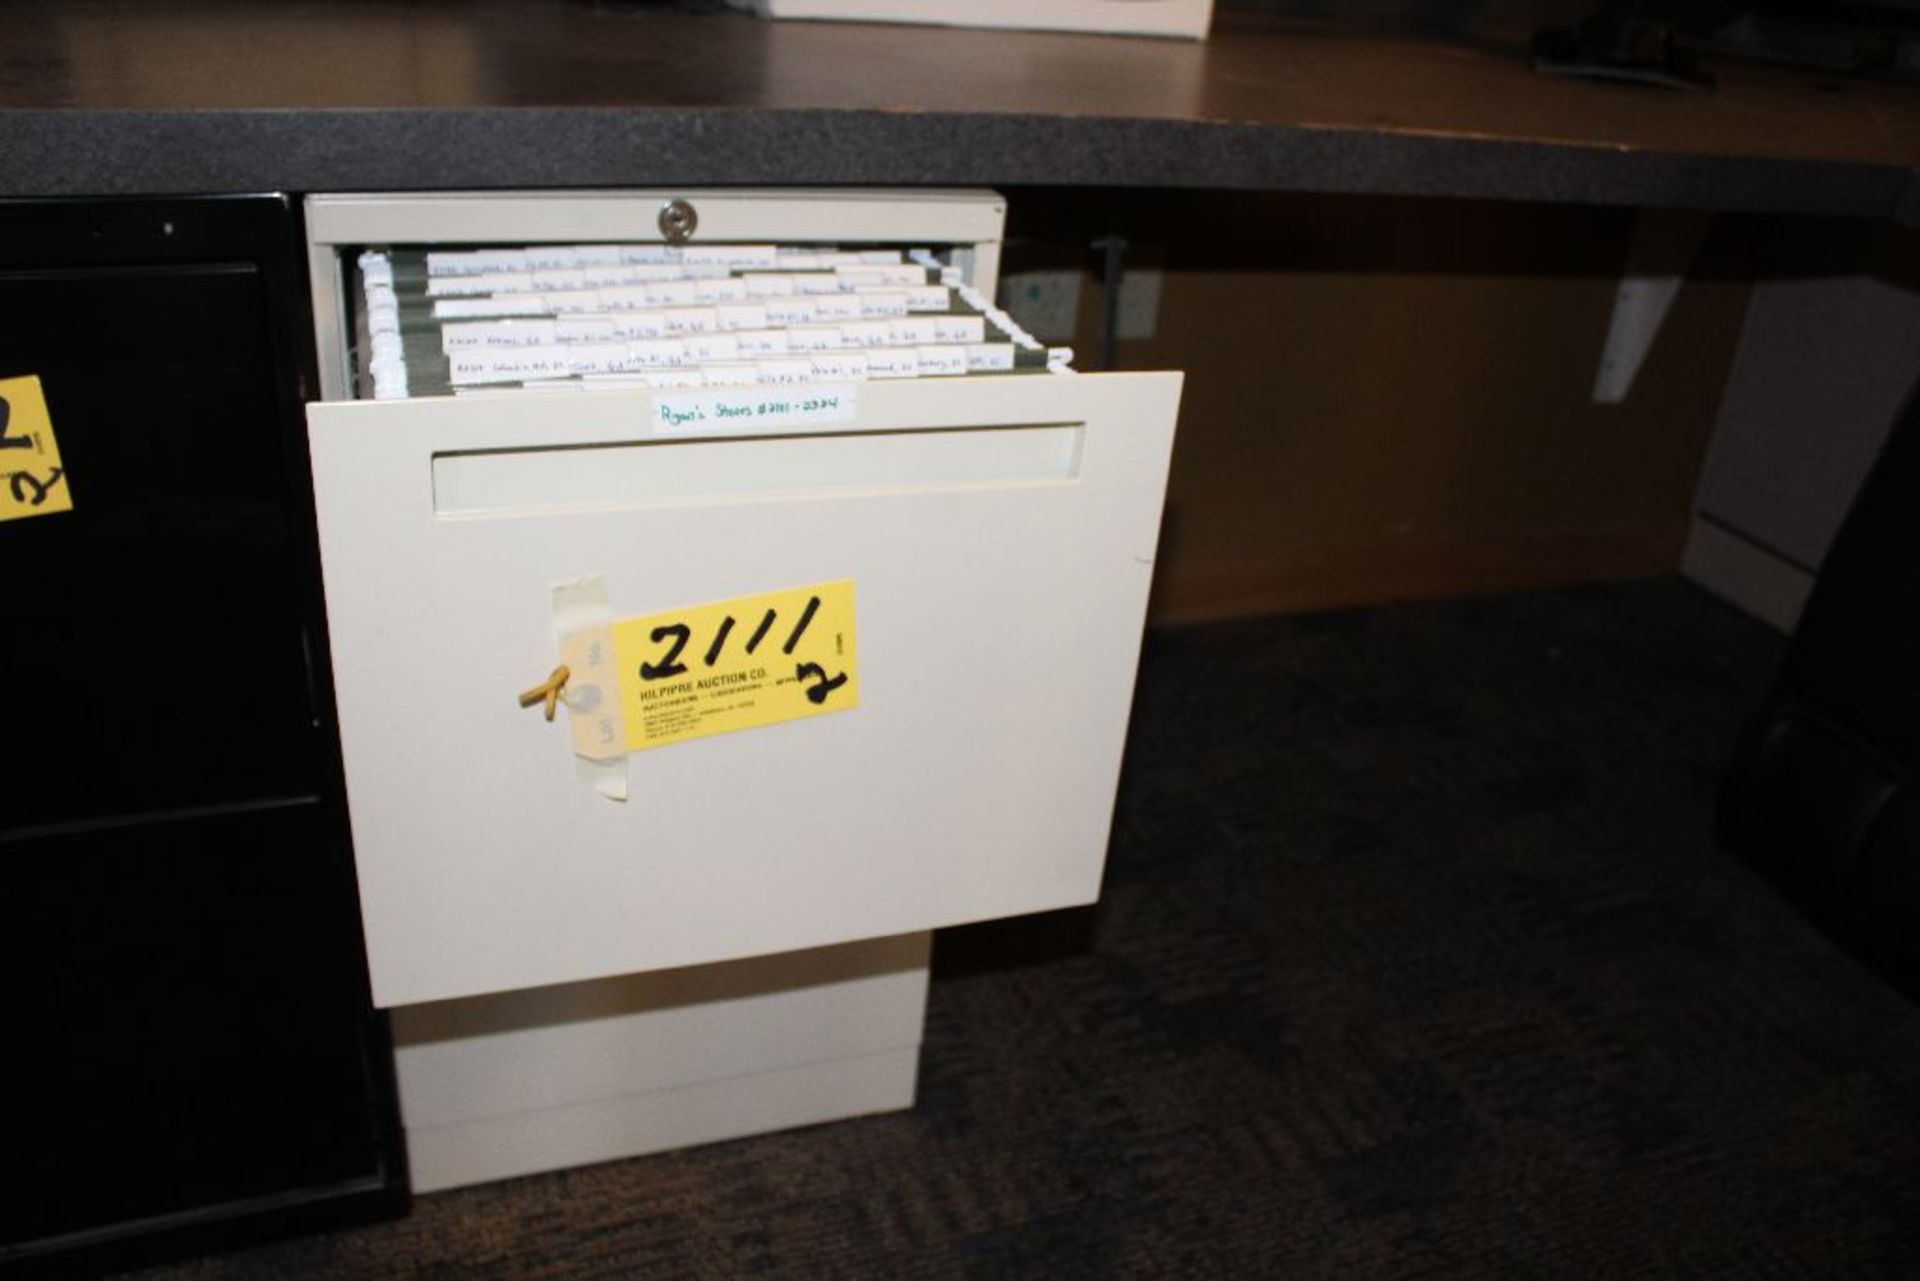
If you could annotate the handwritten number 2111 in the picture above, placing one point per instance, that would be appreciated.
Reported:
(675, 636)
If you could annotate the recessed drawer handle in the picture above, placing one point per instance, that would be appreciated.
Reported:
(555, 479)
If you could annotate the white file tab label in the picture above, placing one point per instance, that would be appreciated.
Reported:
(751, 410)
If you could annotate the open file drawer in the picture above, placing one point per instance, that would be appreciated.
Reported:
(998, 533)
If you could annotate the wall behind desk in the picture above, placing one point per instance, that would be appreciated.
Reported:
(1390, 399)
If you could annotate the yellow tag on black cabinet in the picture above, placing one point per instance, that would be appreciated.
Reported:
(737, 664)
(32, 480)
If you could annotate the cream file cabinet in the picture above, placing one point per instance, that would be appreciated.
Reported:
(729, 933)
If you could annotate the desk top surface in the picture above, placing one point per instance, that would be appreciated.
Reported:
(120, 97)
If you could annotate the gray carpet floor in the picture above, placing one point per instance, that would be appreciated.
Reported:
(1416, 958)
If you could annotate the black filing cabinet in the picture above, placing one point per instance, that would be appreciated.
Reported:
(194, 1057)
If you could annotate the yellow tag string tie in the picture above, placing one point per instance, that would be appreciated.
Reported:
(547, 691)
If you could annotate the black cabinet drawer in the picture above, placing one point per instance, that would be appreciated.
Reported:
(184, 1024)
(158, 621)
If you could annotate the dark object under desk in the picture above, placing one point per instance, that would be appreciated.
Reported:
(1825, 792)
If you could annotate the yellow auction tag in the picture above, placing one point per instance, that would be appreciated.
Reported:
(736, 664)
(32, 480)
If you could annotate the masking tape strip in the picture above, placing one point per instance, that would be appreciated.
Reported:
(583, 630)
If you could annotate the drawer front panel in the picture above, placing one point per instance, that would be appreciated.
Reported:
(1000, 536)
